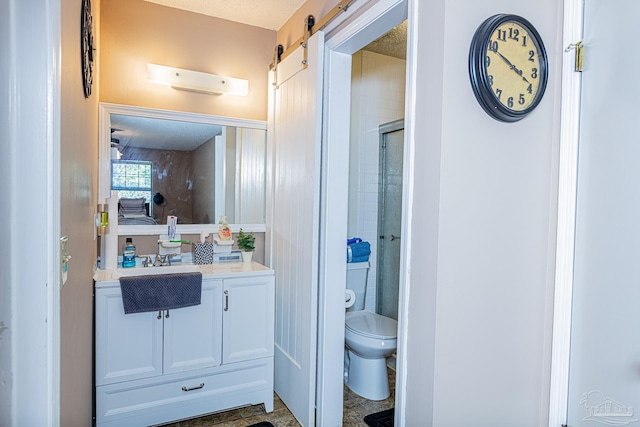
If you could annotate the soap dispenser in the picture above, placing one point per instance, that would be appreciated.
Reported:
(224, 232)
(129, 254)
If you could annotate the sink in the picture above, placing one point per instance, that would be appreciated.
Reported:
(169, 269)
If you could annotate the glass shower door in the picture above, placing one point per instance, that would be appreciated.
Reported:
(389, 218)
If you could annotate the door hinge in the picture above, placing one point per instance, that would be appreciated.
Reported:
(579, 56)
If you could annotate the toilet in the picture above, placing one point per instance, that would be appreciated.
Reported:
(369, 339)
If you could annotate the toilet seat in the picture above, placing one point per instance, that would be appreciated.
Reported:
(371, 325)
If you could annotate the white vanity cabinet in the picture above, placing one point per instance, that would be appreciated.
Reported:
(159, 367)
(248, 319)
(145, 345)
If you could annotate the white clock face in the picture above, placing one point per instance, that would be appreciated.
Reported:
(512, 64)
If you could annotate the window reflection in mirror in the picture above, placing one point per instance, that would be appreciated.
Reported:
(193, 170)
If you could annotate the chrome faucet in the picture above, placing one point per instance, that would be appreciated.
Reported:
(158, 261)
(163, 260)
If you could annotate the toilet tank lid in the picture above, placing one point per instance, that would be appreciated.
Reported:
(371, 324)
(357, 265)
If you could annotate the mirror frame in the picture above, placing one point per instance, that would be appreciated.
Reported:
(104, 162)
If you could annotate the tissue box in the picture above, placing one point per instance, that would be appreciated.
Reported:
(203, 253)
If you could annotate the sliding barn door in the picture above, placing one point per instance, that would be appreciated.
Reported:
(295, 132)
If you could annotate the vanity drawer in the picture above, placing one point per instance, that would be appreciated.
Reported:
(178, 396)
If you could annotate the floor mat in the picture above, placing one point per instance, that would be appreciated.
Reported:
(380, 419)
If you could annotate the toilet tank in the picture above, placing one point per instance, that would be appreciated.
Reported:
(357, 273)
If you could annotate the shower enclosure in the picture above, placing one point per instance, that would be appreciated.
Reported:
(389, 217)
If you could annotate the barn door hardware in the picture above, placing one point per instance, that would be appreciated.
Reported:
(310, 28)
(277, 57)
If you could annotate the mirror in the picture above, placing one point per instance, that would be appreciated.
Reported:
(193, 166)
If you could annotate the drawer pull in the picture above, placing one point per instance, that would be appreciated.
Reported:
(185, 388)
(226, 300)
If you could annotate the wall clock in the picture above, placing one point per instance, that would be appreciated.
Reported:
(86, 48)
(508, 67)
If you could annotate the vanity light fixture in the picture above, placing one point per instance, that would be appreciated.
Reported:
(196, 81)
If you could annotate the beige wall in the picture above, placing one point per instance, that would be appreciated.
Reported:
(78, 189)
(483, 229)
(135, 32)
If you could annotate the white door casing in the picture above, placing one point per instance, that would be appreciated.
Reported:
(343, 40)
(295, 135)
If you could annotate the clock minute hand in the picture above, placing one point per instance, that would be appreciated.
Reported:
(513, 67)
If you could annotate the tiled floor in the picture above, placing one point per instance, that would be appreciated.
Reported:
(355, 409)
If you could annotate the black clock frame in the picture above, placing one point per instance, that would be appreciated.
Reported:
(478, 72)
(86, 46)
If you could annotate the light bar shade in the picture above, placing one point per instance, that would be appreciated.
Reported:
(196, 81)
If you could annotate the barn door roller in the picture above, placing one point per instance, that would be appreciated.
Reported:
(310, 28)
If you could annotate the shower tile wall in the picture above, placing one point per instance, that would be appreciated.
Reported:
(378, 86)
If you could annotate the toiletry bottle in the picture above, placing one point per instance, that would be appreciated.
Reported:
(129, 254)
(104, 215)
(224, 232)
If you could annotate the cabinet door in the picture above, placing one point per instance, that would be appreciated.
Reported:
(193, 335)
(128, 346)
(248, 319)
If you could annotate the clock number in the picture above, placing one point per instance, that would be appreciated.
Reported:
(530, 88)
(502, 35)
(510, 102)
(513, 34)
(490, 79)
(531, 55)
(493, 46)
(521, 99)
(487, 61)
(524, 41)
(499, 92)
(534, 73)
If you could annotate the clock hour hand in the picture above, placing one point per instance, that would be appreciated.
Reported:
(513, 67)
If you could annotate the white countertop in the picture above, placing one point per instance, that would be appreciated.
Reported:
(220, 270)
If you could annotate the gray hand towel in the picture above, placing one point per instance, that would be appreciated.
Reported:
(160, 292)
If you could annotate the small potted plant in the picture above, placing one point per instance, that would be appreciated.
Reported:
(246, 243)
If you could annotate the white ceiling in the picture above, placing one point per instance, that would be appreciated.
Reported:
(159, 134)
(269, 14)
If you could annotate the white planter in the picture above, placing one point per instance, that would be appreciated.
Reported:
(246, 256)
